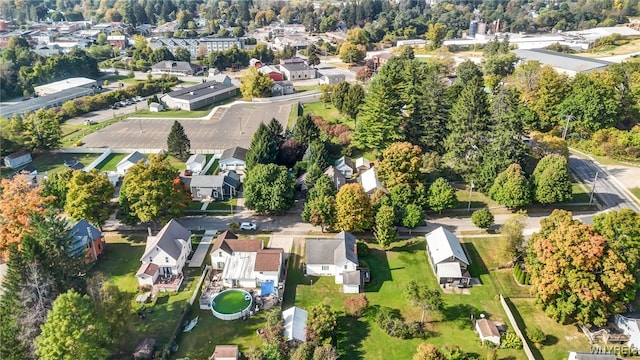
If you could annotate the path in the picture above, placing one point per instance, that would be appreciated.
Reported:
(203, 249)
(282, 242)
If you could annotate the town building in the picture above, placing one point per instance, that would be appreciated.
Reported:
(70, 83)
(562, 63)
(273, 73)
(180, 68)
(298, 71)
(198, 96)
(233, 159)
(337, 257)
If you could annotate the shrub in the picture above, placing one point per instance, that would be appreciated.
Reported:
(394, 326)
(79, 143)
(482, 218)
(355, 305)
(536, 335)
(511, 341)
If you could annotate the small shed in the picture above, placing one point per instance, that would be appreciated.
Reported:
(488, 331)
(362, 163)
(144, 350)
(226, 352)
(155, 107)
(17, 159)
(129, 161)
(352, 282)
(295, 324)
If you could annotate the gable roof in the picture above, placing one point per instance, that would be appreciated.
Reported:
(344, 161)
(362, 162)
(442, 245)
(207, 181)
(369, 181)
(333, 250)
(337, 178)
(235, 152)
(197, 158)
(80, 235)
(562, 61)
(295, 323)
(166, 240)
(268, 260)
(220, 242)
(132, 158)
(229, 243)
(18, 154)
(174, 66)
(487, 328)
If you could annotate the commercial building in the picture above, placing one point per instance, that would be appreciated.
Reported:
(44, 102)
(562, 63)
(202, 45)
(175, 68)
(70, 83)
(197, 96)
(298, 71)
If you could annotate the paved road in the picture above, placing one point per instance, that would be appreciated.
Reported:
(609, 191)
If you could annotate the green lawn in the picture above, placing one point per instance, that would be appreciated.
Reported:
(109, 164)
(214, 167)
(636, 192)
(327, 111)
(478, 199)
(74, 133)
(390, 271)
(177, 114)
(54, 162)
(223, 205)
(578, 193)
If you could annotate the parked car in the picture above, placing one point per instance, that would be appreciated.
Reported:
(248, 226)
(138, 98)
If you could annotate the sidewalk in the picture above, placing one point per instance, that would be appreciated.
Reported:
(203, 249)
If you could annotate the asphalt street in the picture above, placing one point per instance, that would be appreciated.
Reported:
(607, 189)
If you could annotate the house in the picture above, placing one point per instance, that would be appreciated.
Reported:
(212, 187)
(196, 163)
(362, 164)
(282, 88)
(380, 59)
(86, 241)
(448, 259)
(331, 79)
(273, 73)
(370, 182)
(226, 352)
(629, 326)
(337, 257)
(220, 78)
(130, 160)
(155, 107)
(197, 96)
(246, 263)
(233, 159)
(345, 166)
(573, 355)
(255, 62)
(17, 159)
(563, 63)
(488, 331)
(337, 179)
(119, 41)
(164, 257)
(295, 324)
(298, 71)
(175, 68)
(352, 282)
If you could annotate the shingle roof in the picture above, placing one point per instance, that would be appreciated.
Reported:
(173, 65)
(268, 260)
(351, 277)
(332, 251)
(166, 240)
(234, 153)
(590, 356)
(133, 158)
(222, 244)
(487, 328)
(197, 158)
(442, 244)
(369, 181)
(80, 235)
(207, 181)
(562, 61)
(225, 351)
(296, 67)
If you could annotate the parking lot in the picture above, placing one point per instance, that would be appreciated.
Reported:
(228, 127)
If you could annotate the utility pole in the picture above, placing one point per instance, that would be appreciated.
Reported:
(470, 191)
(593, 188)
(566, 126)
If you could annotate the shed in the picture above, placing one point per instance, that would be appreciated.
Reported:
(155, 107)
(226, 352)
(129, 161)
(196, 163)
(488, 331)
(17, 159)
(295, 324)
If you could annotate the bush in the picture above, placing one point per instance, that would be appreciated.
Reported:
(511, 341)
(536, 335)
(79, 143)
(394, 326)
(355, 305)
(482, 218)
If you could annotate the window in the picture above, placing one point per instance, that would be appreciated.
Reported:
(325, 267)
(166, 259)
(346, 267)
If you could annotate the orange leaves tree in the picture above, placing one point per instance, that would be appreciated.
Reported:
(575, 274)
(19, 200)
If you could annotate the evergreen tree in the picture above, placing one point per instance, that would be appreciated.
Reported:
(339, 93)
(178, 144)
(379, 120)
(317, 154)
(305, 130)
(352, 101)
(511, 188)
(551, 181)
(263, 149)
(384, 230)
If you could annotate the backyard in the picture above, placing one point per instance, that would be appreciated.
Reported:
(53, 162)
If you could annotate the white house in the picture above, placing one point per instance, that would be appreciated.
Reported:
(164, 257)
(155, 107)
(196, 163)
(629, 326)
(331, 79)
(295, 324)
(233, 159)
(370, 182)
(488, 331)
(337, 257)
(362, 164)
(130, 160)
(345, 166)
(17, 159)
(448, 259)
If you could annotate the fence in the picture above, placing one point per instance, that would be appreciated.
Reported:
(516, 329)
(97, 161)
(89, 150)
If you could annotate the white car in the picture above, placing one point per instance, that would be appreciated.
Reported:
(248, 226)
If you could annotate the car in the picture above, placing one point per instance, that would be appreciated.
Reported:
(248, 226)
(138, 98)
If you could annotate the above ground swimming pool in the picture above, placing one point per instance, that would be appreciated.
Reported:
(231, 304)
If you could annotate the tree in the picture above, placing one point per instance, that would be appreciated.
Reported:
(55, 186)
(182, 54)
(255, 84)
(111, 305)
(305, 130)
(321, 324)
(263, 148)
(42, 130)
(340, 91)
(178, 144)
(352, 100)
(313, 60)
(290, 152)
(269, 189)
(511, 234)
(551, 181)
(428, 351)
(89, 197)
(153, 192)
(317, 154)
(325, 352)
(400, 164)
(482, 218)
(72, 330)
(441, 195)
(351, 53)
(412, 217)
(436, 34)
(620, 228)
(355, 305)
(429, 301)
(536, 335)
(511, 188)
(161, 54)
(320, 211)
(353, 209)
(19, 201)
(384, 230)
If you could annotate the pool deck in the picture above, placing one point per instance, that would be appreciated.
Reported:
(203, 249)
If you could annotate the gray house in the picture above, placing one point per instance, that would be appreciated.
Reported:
(213, 187)
(337, 257)
(448, 259)
(233, 159)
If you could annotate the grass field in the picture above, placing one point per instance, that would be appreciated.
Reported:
(74, 133)
(390, 271)
(109, 164)
(54, 162)
(636, 192)
(327, 111)
(177, 114)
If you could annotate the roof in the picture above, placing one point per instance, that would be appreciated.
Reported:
(268, 260)
(335, 76)
(220, 241)
(295, 323)
(197, 158)
(229, 243)
(351, 277)
(562, 61)
(267, 69)
(573, 355)
(362, 162)
(207, 181)
(225, 351)
(80, 235)
(18, 154)
(337, 178)
(43, 101)
(211, 88)
(442, 245)
(240, 266)
(449, 270)
(235, 152)
(344, 161)
(369, 181)
(132, 158)
(166, 240)
(155, 105)
(333, 250)
(173, 65)
(147, 269)
(283, 83)
(487, 328)
(67, 84)
(296, 67)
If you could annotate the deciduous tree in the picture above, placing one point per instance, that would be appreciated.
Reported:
(551, 181)
(255, 84)
(352, 53)
(436, 34)
(42, 130)
(428, 351)
(511, 188)
(400, 164)
(512, 237)
(622, 230)
(56, 187)
(321, 324)
(269, 189)
(412, 216)
(353, 209)
(441, 195)
(178, 144)
(482, 218)
(89, 197)
(384, 230)
(320, 210)
(429, 300)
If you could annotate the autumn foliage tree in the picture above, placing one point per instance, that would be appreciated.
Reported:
(89, 196)
(355, 305)
(400, 164)
(353, 209)
(575, 274)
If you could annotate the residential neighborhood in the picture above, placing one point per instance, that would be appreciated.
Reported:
(328, 180)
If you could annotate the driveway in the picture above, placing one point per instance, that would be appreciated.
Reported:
(284, 242)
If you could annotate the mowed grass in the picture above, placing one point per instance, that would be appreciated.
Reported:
(327, 111)
(54, 162)
(391, 270)
(110, 162)
(636, 192)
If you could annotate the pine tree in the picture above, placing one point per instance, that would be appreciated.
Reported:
(263, 149)
(305, 130)
(178, 144)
